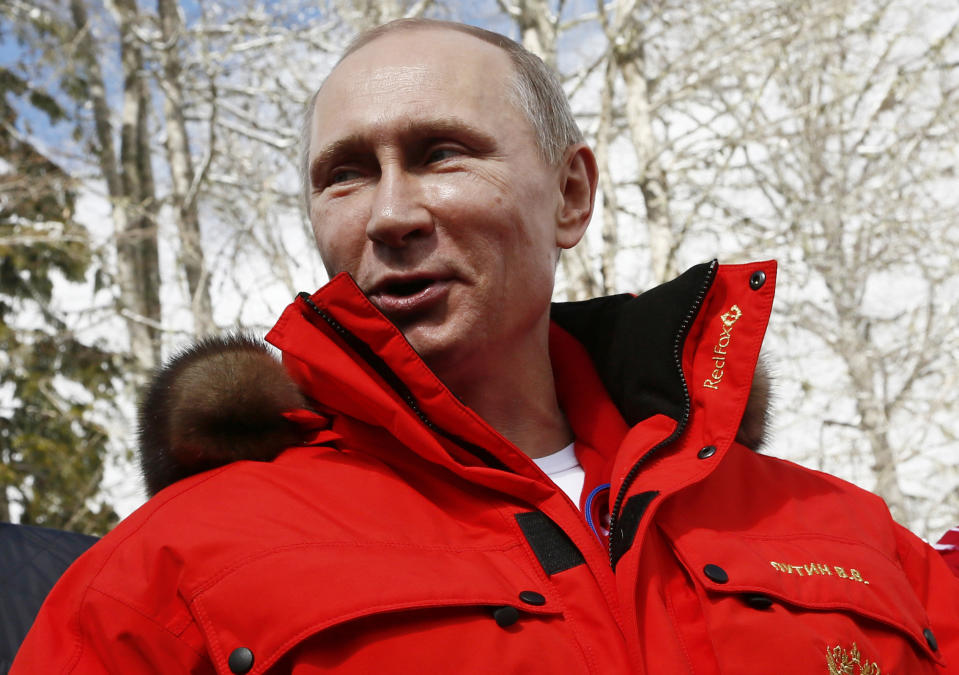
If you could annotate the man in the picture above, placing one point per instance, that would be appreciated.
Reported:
(405, 527)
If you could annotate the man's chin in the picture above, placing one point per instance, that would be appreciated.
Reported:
(428, 331)
(437, 346)
(427, 340)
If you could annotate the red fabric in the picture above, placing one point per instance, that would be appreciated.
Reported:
(600, 428)
(390, 550)
(948, 546)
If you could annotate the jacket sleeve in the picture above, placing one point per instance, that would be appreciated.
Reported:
(938, 588)
(81, 630)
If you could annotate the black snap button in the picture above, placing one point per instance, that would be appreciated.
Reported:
(532, 598)
(240, 661)
(716, 573)
(930, 640)
(707, 452)
(757, 279)
(506, 616)
(758, 600)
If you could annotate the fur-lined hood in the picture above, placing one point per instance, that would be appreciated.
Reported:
(224, 399)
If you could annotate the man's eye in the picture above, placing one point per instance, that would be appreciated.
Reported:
(342, 175)
(439, 154)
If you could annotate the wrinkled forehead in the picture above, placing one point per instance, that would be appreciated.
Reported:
(412, 68)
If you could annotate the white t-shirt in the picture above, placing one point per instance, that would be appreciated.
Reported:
(564, 469)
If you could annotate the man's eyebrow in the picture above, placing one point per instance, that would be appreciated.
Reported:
(448, 125)
(435, 126)
(344, 146)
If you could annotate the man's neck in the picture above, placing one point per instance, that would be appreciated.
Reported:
(516, 394)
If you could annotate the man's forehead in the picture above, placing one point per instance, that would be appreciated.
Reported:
(410, 72)
(420, 50)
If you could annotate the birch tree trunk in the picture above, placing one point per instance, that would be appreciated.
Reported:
(129, 179)
(624, 31)
(185, 184)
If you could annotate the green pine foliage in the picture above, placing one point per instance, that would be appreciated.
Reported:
(51, 383)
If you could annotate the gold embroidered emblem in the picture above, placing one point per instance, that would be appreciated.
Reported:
(732, 316)
(841, 662)
(719, 351)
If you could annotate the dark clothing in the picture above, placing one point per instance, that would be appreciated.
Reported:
(31, 561)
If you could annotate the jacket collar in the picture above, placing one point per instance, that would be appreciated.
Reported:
(615, 361)
(346, 355)
(635, 342)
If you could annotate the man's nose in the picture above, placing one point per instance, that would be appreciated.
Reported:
(398, 214)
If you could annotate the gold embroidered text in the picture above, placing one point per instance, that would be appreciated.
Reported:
(719, 351)
(818, 569)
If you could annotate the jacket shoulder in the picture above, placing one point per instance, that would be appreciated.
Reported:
(763, 495)
(136, 584)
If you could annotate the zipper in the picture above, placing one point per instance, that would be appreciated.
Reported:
(395, 383)
(687, 404)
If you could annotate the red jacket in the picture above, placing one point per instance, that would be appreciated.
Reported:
(948, 546)
(407, 536)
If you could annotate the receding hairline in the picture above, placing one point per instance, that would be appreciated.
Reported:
(411, 26)
(505, 45)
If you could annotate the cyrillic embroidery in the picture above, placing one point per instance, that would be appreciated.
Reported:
(719, 351)
(841, 662)
(819, 569)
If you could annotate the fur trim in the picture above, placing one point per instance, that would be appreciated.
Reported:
(216, 402)
(753, 430)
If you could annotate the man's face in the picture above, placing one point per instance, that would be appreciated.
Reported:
(428, 187)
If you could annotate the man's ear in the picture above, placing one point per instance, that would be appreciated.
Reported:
(578, 178)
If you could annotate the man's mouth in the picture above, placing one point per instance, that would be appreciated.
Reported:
(406, 288)
(402, 297)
